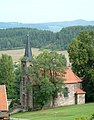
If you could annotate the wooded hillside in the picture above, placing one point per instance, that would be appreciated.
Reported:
(15, 38)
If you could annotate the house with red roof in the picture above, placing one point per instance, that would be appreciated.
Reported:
(73, 93)
(3, 103)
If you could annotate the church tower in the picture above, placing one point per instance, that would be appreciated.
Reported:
(26, 98)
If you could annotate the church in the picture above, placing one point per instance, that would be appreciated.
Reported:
(73, 93)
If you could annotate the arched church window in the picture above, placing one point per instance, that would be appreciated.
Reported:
(66, 91)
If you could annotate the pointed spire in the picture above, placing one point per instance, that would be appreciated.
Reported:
(28, 52)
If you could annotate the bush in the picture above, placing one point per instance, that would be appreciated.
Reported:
(85, 118)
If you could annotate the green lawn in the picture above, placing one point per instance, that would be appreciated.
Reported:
(61, 113)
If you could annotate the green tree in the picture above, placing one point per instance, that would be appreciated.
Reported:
(52, 65)
(43, 92)
(7, 75)
(81, 52)
(16, 85)
(49, 66)
(17, 72)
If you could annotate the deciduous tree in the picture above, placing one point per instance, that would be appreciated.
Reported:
(48, 65)
(81, 52)
(7, 74)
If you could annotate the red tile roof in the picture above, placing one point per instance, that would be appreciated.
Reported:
(79, 91)
(70, 77)
(3, 98)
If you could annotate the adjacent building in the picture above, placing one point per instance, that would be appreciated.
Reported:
(3, 103)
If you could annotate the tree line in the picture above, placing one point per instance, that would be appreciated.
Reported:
(15, 38)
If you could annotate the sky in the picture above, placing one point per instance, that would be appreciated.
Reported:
(41, 11)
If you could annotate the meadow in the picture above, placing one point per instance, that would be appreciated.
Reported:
(60, 113)
(17, 54)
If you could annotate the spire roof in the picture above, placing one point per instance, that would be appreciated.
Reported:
(28, 52)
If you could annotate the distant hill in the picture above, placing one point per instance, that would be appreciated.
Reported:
(51, 26)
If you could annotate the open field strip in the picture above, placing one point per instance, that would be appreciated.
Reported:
(17, 54)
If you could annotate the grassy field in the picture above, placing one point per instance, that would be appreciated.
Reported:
(61, 113)
(17, 54)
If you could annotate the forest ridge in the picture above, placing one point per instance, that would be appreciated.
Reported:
(15, 38)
